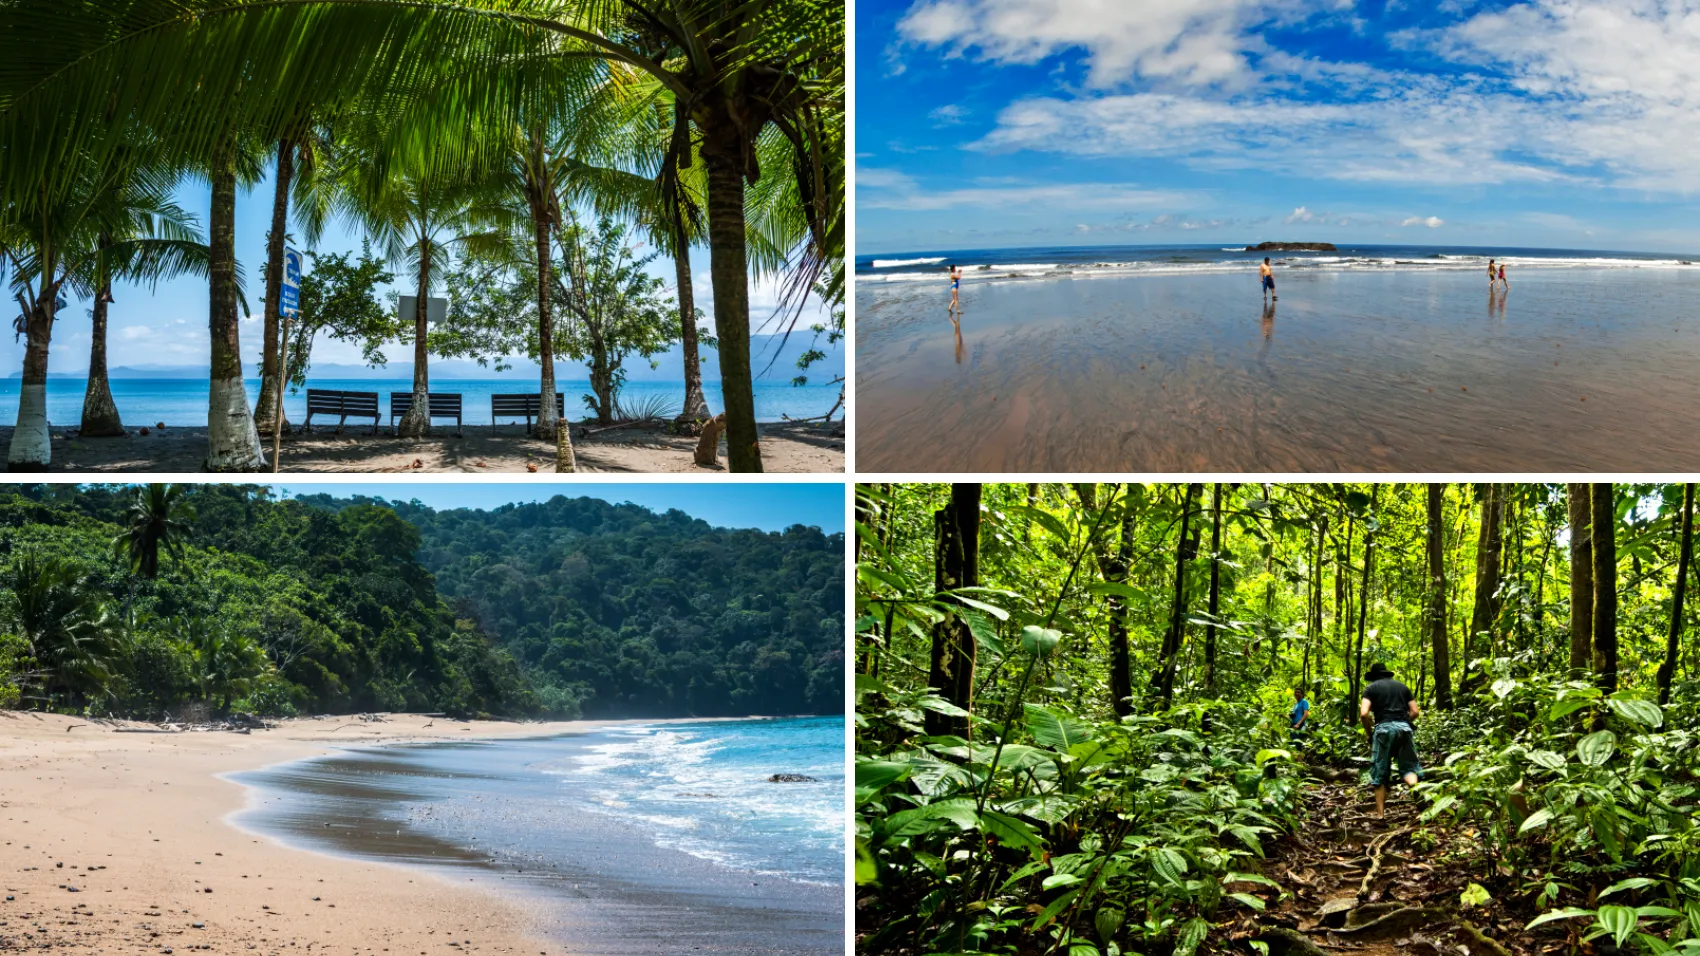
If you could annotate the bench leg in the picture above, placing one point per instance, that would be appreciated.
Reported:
(340, 423)
(307, 426)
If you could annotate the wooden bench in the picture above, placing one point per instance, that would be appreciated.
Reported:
(443, 405)
(524, 406)
(344, 405)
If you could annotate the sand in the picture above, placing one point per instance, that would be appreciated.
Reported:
(136, 820)
(786, 447)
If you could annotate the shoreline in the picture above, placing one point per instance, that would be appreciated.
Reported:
(135, 819)
(787, 447)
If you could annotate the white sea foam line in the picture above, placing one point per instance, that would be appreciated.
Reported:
(1347, 264)
(894, 263)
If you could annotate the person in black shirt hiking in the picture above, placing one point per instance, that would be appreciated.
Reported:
(1387, 710)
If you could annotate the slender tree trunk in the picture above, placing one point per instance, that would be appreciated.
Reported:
(1684, 555)
(539, 195)
(1581, 581)
(416, 422)
(100, 413)
(723, 150)
(1164, 679)
(1121, 664)
(1215, 586)
(866, 524)
(956, 564)
(31, 449)
(1437, 596)
(271, 371)
(1604, 508)
(695, 408)
(1482, 616)
(1363, 600)
(233, 442)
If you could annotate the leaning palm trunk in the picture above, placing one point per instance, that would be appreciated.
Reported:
(417, 422)
(723, 154)
(233, 444)
(30, 450)
(100, 414)
(547, 419)
(696, 407)
(271, 373)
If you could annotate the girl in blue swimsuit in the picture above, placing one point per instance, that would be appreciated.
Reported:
(955, 286)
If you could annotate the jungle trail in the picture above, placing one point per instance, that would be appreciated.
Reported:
(1073, 719)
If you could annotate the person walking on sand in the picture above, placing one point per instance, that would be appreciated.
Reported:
(1504, 282)
(1492, 275)
(1386, 710)
(1268, 276)
(955, 287)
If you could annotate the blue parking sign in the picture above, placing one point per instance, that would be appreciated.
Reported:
(289, 302)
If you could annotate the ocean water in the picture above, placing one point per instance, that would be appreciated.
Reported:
(635, 839)
(1396, 362)
(1085, 262)
(183, 402)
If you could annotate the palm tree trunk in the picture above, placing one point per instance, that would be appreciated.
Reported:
(1581, 581)
(271, 373)
(30, 449)
(723, 150)
(1437, 597)
(1685, 555)
(539, 201)
(100, 413)
(695, 408)
(233, 444)
(417, 422)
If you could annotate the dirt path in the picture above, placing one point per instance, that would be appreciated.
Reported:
(1377, 887)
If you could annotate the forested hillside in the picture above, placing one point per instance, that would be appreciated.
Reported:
(210, 599)
(1074, 700)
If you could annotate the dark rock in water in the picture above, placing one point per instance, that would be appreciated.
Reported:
(791, 778)
(1292, 247)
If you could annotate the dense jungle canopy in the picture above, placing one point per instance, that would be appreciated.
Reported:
(144, 601)
(1073, 705)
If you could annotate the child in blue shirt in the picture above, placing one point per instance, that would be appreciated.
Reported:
(1299, 719)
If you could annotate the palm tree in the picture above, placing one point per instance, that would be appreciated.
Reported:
(157, 521)
(736, 72)
(56, 609)
(233, 443)
(305, 167)
(226, 660)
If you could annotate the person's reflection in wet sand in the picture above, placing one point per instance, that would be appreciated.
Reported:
(1268, 324)
(960, 351)
(1496, 304)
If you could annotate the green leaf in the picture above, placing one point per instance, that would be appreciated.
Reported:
(1643, 712)
(1108, 921)
(867, 871)
(1056, 906)
(1039, 641)
(1475, 895)
(1539, 818)
(1603, 821)
(1596, 748)
(1057, 880)
(1619, 921)
(1657, 912)
(1249, 900)
(1565, 707)
(985, 635)
(1250, 878)
(877, 774)
(1503, 687)
(991, 609)
(1547, 759)
(1009, 830)
(1264, 756)
(1569, 912)
(938, 704)
(1169, 864)
(1080, 947)
(1633, 883)
(1116, 589)
(1055, 730)
(1192, 933)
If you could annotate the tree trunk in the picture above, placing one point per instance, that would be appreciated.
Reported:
(1437, 596)
(723, 149)
(1215, 585)
(1685, 555)
(271, 370)
(956, 564)
(1604, 507)
(416, 422)
(31, 449)
(233, 443)
(536, 193)
(1363, 600)
(1581, 581)
(1482, 612)
(100, 413)
(1164, 679)
(1121, 664)
(695, 408)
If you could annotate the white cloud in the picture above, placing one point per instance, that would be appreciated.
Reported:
(1433, 222)
(888, 189)
(949, 114)
(1300, 214)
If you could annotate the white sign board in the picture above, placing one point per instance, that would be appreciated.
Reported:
(436, 309)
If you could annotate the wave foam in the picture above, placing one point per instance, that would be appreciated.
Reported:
(894, 263)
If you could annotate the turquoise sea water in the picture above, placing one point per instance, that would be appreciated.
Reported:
(183, 402)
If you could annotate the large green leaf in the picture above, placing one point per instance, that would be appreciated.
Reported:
(1633, 883)
(1055, 730)
(1643, 712)
(1108, 921)
(1539, 818)
(1619, 921)
(876, 774)
(1009, 830)
(1169, 864)
(867, 871)
(1596, 748)
(1569, 912)
(1192, 933)
(1039, 641)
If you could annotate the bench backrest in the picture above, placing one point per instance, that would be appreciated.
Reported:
(328, 401)
(523, 404)
(443, 404)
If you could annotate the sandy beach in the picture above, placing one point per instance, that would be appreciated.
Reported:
(113, 840)
(786, 447)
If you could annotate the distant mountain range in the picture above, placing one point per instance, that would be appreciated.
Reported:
(772, 358)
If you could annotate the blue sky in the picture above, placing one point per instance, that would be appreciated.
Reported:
(1546, 123)
(168, 325)
(767, 505)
